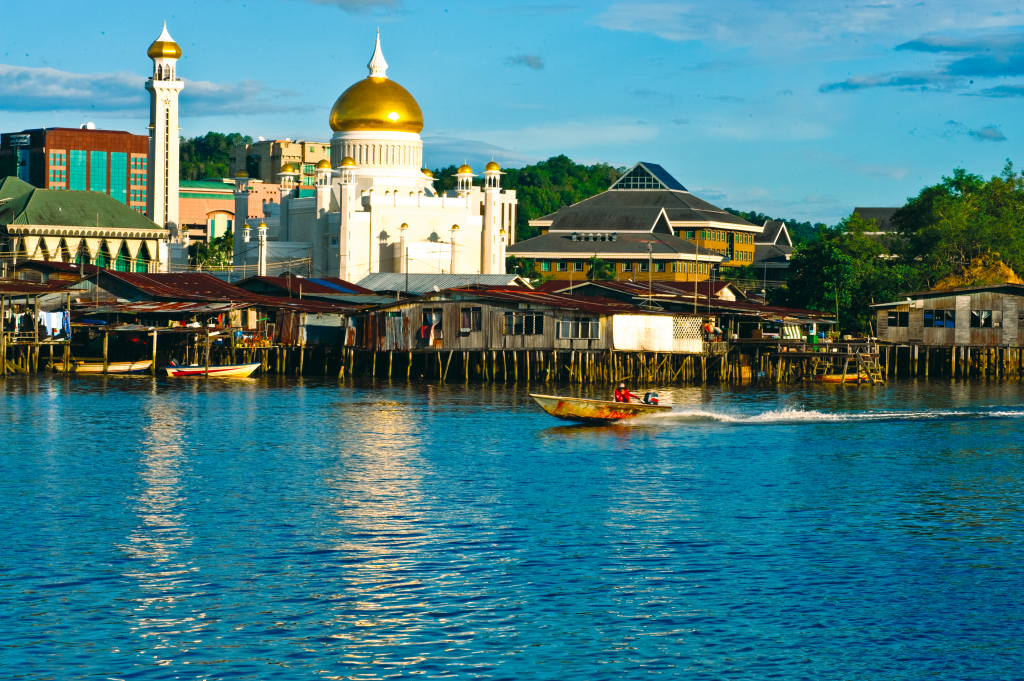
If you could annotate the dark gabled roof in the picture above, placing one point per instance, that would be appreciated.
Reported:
(55, 266)
(60, 208)
(882, 216)
(1006, 287)
(627, 244)
(612, 219)
(310, 286)
(23, 286)
(680, 206)
(774, 230)
(592, 304)
(768, 253)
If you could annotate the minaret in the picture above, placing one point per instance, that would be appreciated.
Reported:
(489, 234)
(164, 87)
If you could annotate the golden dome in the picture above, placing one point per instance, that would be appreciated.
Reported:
(323, 165)
(492, 166)
(464, 169)
(378, 104)
(164, 47)
(455, 227)
(287, 168)
(348, 161)
(426, 171)
(241, 173)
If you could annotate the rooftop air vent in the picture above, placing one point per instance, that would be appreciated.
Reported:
(574, 238)
(615, 236)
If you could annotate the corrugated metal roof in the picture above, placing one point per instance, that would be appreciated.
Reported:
(164, 307)
(8, 286)
(308, 285)
(56, 266)
(593, 304)
(421, 283)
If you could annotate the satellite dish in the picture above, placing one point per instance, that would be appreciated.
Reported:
(436, 289)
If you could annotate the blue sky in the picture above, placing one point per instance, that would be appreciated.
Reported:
(795, 108)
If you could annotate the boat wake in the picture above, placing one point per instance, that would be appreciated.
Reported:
(799, 416)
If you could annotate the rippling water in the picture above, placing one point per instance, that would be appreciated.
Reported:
(290, 529)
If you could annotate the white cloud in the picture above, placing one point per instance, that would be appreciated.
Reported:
(47, 89)
(440, 151)
(570, 135)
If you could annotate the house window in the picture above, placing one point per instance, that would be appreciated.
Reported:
(659, 267)
(432, 317)
(703, 234)
(584, 328)
(519, 324)
(335, 241)
(940, 319)
(981, 319)
(690, 234)
(577, 266)
(563, 266)
(899, 319)
(545, 265)
(472, 319)
(644, 267)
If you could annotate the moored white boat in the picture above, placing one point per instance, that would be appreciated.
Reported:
(595, 411)
(220, 371)
(79, 367)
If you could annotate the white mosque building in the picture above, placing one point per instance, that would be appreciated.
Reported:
(374, 208)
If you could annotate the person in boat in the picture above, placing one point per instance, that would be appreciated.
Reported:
(622, 394)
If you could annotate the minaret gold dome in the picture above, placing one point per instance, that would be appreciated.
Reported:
(492, 166)
(377, 103)
(428, 172)
(347, 161)
(241, 173)
(464, 170)
(287, 168)
(164, 47)
(323, 165)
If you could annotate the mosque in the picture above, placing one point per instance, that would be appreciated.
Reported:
(373, 207)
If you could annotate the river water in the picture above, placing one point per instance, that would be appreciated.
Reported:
(300, 529)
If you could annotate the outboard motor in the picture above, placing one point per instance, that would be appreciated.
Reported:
(650, 398)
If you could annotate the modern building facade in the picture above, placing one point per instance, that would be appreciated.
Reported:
(263, 160)
(646, 226)
(206, 208)
(164, 87)
(111, 162)
(373, 208)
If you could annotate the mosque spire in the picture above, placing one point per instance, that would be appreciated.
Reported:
(378, 67)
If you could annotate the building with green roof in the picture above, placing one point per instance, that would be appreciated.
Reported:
(76, 226)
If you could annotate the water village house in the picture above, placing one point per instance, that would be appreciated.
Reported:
(645, 220)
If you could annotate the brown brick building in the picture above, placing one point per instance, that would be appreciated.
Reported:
(112, 162)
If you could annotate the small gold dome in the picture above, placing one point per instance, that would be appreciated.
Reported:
(378, 104)
(455, 228)
(164, 47)
(241, 173)
(492, 166)
(464, 169)
(323, 165)
(263, 225)
(426, 171)
(287, 168)
(348, 161)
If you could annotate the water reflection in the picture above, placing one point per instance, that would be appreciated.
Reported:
(161, 535)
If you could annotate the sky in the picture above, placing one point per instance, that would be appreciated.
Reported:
(799, 109)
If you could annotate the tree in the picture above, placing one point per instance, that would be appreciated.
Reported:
(209, 155)
(600, 270)
(544, 187)
(799, 232)
(219, 253)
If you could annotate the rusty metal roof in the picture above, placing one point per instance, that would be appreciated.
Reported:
(308, 286)
(593, 304)
(8, 286)
(164, 307)
(56, 266)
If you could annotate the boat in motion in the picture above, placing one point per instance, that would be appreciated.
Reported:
(594, 411)
(221, 371)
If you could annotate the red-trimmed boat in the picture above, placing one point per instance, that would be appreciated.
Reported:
(220, 371)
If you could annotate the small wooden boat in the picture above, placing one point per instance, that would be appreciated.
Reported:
(838, 378)
(79, 367)
(594, 411)
(220, 371)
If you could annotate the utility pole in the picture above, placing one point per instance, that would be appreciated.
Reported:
(650, 274)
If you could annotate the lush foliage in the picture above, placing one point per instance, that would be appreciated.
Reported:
(962, 231)
(600, 270)
(950, 225)
(544, 187)
(207, 156)
(799, 232)
(218, 253)
(844, 271)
